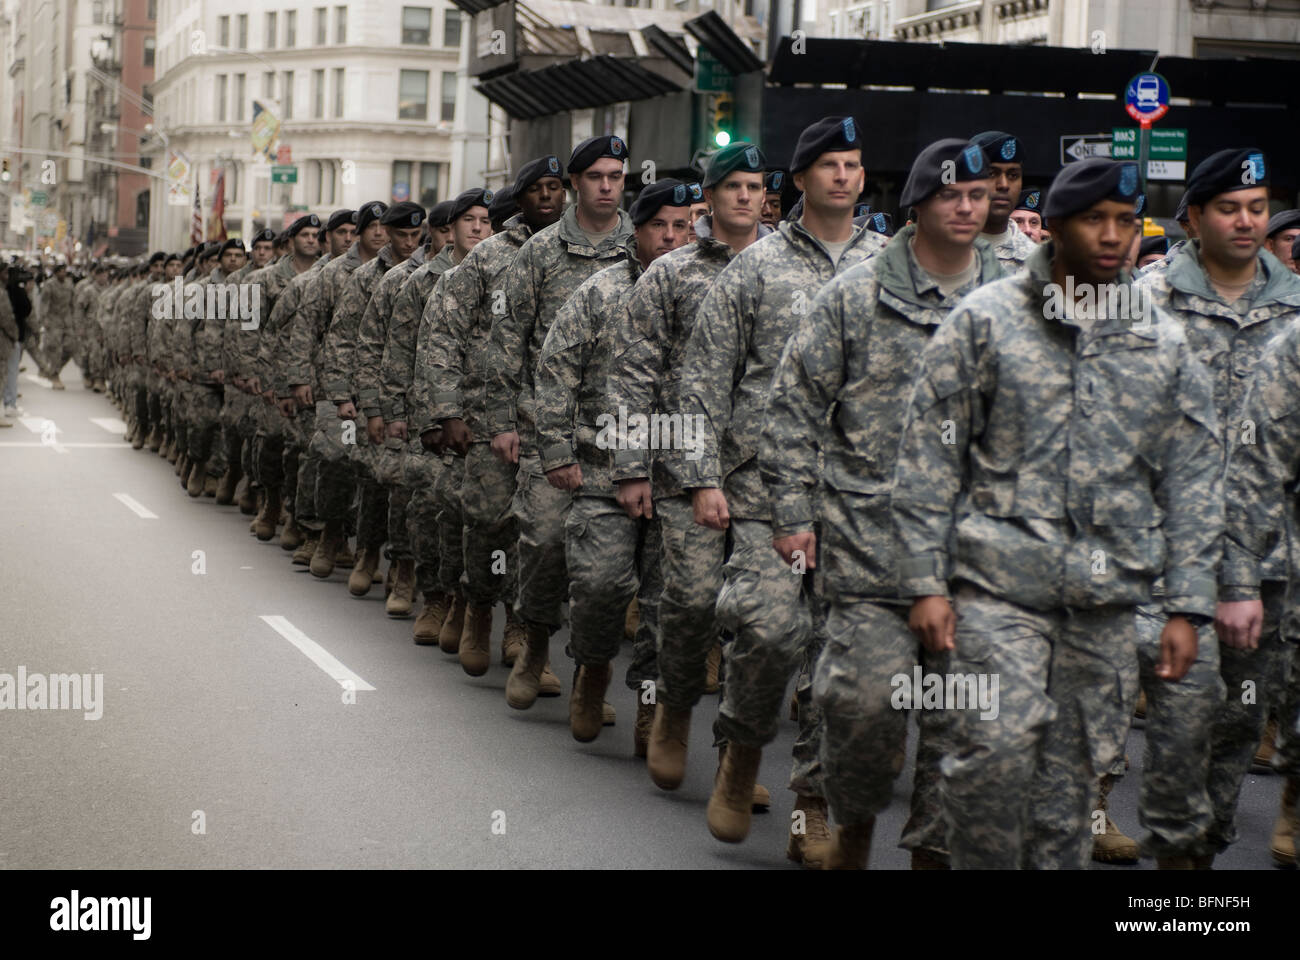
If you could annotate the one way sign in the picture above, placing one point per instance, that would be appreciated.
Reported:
(1081, 146)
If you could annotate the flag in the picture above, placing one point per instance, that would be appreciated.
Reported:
(217, 225)
(196, 217)
(266, 128)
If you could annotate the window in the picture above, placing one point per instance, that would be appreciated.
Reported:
(428, 184)
(416, 24)
(221, 98)
(287, 102)
(223, 31)
(327, 182)
(291, 28)
(338, 91)
(240, 96)
(151, 10)
(97, 11)
(413, 95)
(319, 17)
(340, 24)
(317, 94)
(142, 208)
(268, 85)
(243, 31)
(232, 184)
(448, 96)
(150, 48)
(451, 29)
(268, 37)
(401, 180)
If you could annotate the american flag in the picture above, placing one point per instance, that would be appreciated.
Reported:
(217, 225)
(196, 217)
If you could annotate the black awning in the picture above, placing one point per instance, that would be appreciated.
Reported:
(574, 85)
(721, 41)
(670, 48)
(478, 6)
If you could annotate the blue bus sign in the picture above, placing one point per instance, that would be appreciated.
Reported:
(1146, 98)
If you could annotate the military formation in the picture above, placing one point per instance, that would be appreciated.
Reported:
(1014, 469)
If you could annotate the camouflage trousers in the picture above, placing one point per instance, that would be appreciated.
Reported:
(451, 522)
(422, 472)
(268, 443)
(205, 425)
(1287, 759)
(304, 480)
(154, 399)
(868, 647)
(331, 442)
(540, 510)
(1174, 802)
(1017, 787)
(692, 576)
(181, 414)
(490, 535)
(372, 498)
(58, 342)
(81, 350)
(1256, 682)
(390, 467)
(236, 428)
(611, 559)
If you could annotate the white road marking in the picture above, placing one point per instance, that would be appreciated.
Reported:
(67, 446)
(41, 425)
(317, 654)
(136, 507)
(111, 424)
(36, 379)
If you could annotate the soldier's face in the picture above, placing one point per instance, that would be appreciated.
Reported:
(206, 265)
(543, 202)
(771, 208)
(442, 236)
(172, 270)
(600, 187)
(736, 200)
(697, 210)
(404, 240)
(341, 238)
(666, 230)
(1006, 189)
(262, 251)
(834, 182)
(470, 227)
(1231, 226)
(232, 260)
(305, 244)
(1030, 224)
(374, 237)
(1130, 258)
(1280, 246)
(1092, 244)
(155, 271)
(1149, 258)
(954, 215)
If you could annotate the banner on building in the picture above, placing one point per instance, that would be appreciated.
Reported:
(217, 222)
(178, 176)
(266, 130)
(196, 215)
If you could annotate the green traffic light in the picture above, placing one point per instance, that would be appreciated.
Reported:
(722, 138)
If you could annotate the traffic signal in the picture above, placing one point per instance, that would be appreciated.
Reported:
(724, 119)
(5, 175)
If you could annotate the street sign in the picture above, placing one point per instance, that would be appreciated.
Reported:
(284, 174)
(1081, 146)
(1167, 170)
(40, 198)
(284, 155)
(1167, 144)
(710, 75)
(1146, 98)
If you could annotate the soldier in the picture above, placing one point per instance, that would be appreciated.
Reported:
(847, 367)
(81, 352)
(439, 227)
(611, 557)
(550, 265)
(743, 324)
(208, 374)
(502, 207)
(1004, 153)
(1150, 250)
(1026, 215)
(10, 338)
(450, 384)
(773, 185)
(138, 320)
(1283, 230)
(60, 322)
(1077, 447)
(197, 383)
(158, 354)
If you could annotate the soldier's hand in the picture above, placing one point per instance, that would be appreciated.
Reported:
(506, 447)
(254, 385)
(302, 393)
(375, 429)
(710, 506)
(804, 543)
(241, 383)
(288, 407)
(431, 440)
(397, 429)
(636, 498)
(268, 395)
(935, 624)
(218, 376)
(565, 478)
(347, 411)
(1177, 649)
(1239, 623)
(456, 436)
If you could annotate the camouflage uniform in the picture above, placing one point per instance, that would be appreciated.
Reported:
(206, 394)
(610, 557)
(9, 335)
(1068, 465)
(762, 296)
(549, 267)
(852, 361)
(236, 418)
(60, 323)
(1013, 249)
(136, 318)
(158, 355)
(1199, 745)
(82, 295)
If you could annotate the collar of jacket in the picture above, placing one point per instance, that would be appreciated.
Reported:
(572, 234)
(385, 256)
(1187, 275)
(894, 271)
(707, 241)
(795, 232)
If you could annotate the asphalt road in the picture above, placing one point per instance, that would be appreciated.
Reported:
(212, 718)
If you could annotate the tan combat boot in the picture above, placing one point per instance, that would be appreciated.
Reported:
(526, 674)
(731, 805)
(137, 435)
(607, 714)
(292, 536)
(210, 486)
(155, 438)
(1263, 762)
(345, 558)
(811, 846)
(666, 755)
(248, 499)
(390, 578)
(549, 685)
(645, 718)
(1112, 846)
(587, 699)
(512, 641)
(302, 556)
(362, 577)
(322, 561)
(631, 620)
(267, 520)
(454, 626)
(431, 618)
(259, 497)
(198, 475)
(182, 464)
(402, 598)
(1282, 846)
(56, 383)
(226, 488)
(713, 669)
(475, 638)
(171, 453)
(850, 848)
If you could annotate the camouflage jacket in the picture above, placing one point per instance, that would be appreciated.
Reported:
(303, 359)
(455, 337)
(1228, 340)
(744, 321)
(650, 344)
(184, 354)
(161, 328)
(1013, 250)
(550, 265)
(209, 331)
(274, 340)
(272, 279)
(137, 317)
(372, 333)
(338, 360)
(571, 403)
(855, 359)
(8, 322)
(83, 296)
(56, 300)
(125, 310)
(397, 366)
(1065, 466)
(232, 332)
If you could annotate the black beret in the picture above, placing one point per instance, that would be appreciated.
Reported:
(999, 147)
(170, 258)
(438, 214)
(503, 205)
(592, 149)
(877, 222)
(1150, 245)
(733, 157)
(1286, 220)
(534, 170)
(156, 257)
(1295, 248)
(964, 159)
(404, 214)
(1180, 212)
(264, 236)
(1226, 171)
(661, 193)
(1080, 185)
(827, 134)
(302, 223)
(369, 213)
(209, 250)
(321, 234)
(474, 197)
(338, 218)
(233, 244)
(774, 182)
(1031, 200)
